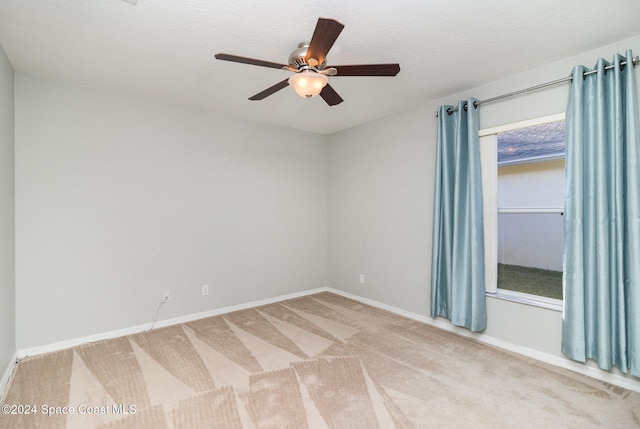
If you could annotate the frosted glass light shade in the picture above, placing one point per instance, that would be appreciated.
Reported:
(308, 84)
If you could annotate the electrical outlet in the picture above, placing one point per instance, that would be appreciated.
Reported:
(361, 279)
(205, 290)
(166, 296)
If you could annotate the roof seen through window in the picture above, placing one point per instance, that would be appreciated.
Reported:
(532, 144)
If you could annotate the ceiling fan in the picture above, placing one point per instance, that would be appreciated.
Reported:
(309, 64)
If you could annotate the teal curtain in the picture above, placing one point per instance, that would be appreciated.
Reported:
(601, 319)
(457, 266)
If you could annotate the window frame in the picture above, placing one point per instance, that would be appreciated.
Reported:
(489, 165)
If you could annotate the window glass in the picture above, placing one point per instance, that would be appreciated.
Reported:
(530, 188)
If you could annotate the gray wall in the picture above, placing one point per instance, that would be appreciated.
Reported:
(381, 179)
(7, 249)
(120, 198)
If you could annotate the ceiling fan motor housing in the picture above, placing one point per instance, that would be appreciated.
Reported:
(298, 58)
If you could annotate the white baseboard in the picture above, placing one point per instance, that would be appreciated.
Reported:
(159, 324)
(6, 376)
(590, 371)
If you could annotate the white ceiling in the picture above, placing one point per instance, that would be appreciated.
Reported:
(165, 48)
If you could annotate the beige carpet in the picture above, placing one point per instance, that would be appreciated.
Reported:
(321, 361)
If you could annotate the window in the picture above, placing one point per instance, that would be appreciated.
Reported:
(523, 180)
(530, 207)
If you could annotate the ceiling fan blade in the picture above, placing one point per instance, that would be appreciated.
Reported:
(324, 36)
(252, 61)
(368, 70)
(330, 95)
(267, 92)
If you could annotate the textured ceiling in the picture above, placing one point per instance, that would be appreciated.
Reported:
(165, 48)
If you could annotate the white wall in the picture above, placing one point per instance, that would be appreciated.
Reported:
(536, 184)
(531, 240)
(7, 252)
(119, 198)
(381, 201)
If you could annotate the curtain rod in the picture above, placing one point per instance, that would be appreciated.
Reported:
(635, 61)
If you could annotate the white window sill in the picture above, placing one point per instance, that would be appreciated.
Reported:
(528, 299)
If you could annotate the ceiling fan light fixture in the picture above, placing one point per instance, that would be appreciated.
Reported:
(308, 84)
(309, 63)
